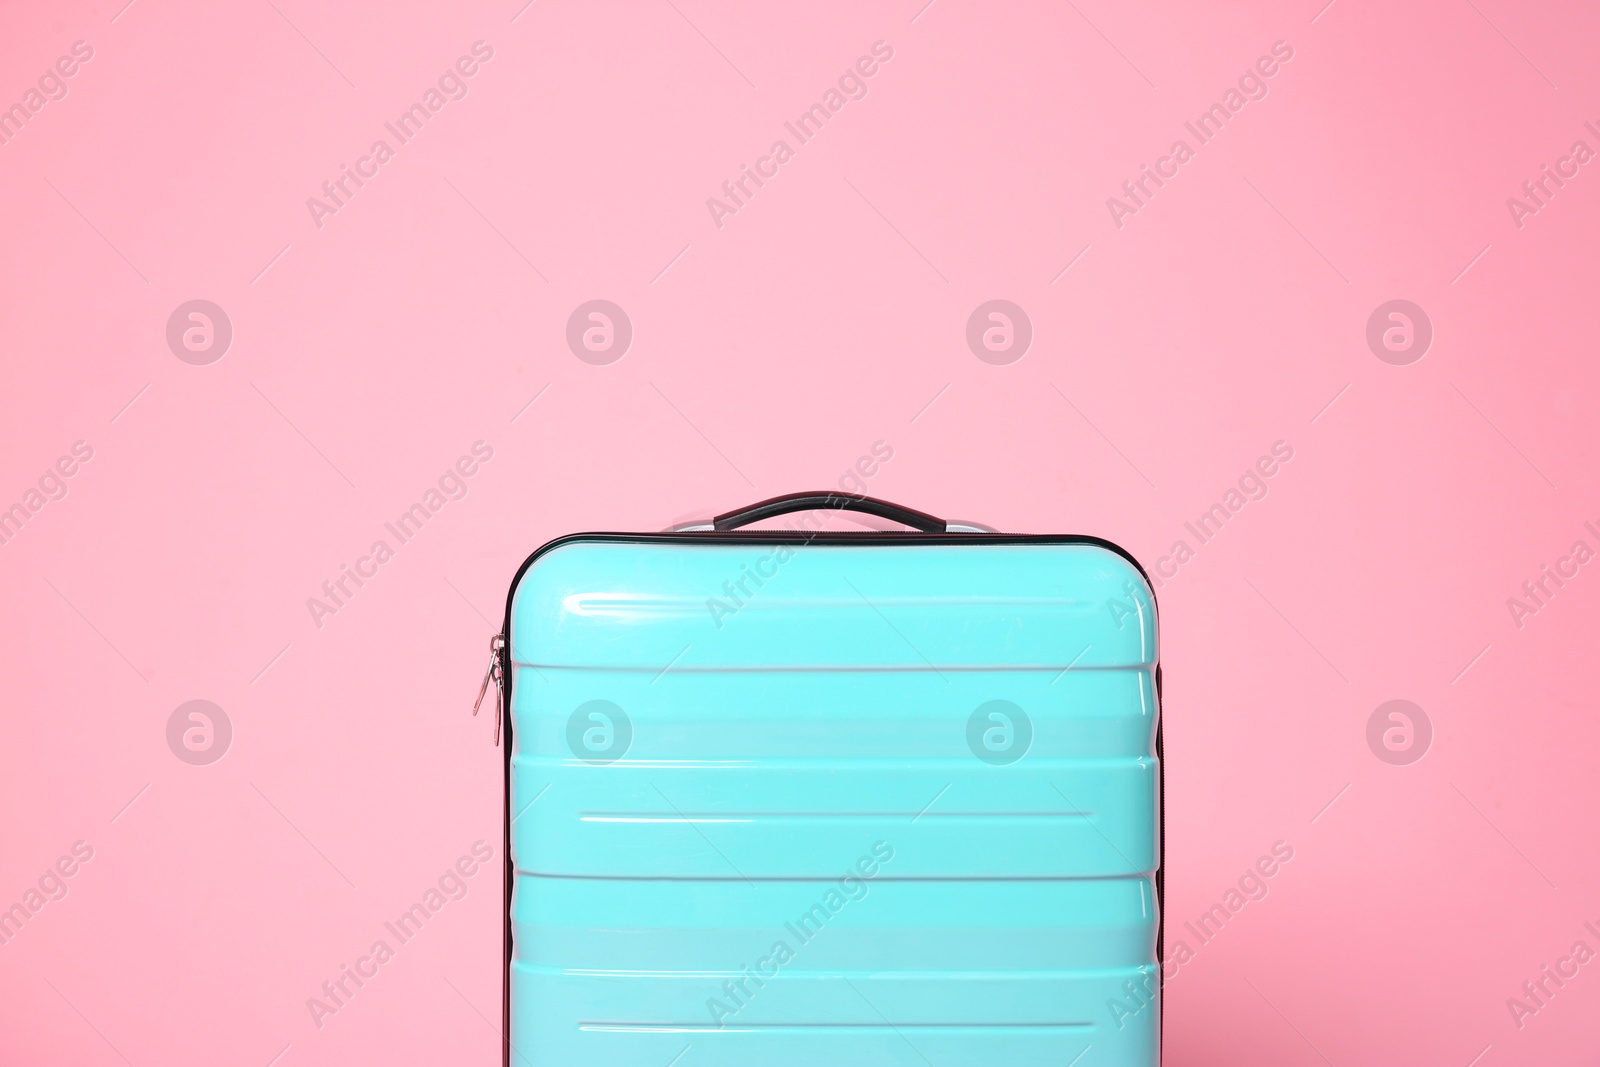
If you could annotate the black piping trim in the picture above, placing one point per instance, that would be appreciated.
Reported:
(795, 537)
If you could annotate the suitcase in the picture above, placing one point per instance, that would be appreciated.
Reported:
(790, 797)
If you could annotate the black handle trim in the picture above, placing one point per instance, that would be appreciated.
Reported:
(828, 501)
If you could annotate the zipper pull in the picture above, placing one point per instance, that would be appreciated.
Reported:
(495, 674)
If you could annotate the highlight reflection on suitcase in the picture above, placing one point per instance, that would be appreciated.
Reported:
(846, 798)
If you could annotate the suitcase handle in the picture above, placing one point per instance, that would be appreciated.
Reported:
(829, 501)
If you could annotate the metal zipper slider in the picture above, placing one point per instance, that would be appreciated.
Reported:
(495, 674)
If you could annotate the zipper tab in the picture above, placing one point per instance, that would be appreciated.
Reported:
(495, 674)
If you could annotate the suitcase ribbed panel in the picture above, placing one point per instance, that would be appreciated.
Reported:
(769, 830)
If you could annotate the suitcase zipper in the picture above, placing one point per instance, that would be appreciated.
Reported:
(495, 674)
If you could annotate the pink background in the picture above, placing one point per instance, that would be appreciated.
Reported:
(769, 354)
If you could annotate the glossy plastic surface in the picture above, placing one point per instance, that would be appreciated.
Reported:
(766, 811)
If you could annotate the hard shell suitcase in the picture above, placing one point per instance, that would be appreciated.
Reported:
(801, 797)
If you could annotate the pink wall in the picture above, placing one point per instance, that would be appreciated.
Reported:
(374, 345)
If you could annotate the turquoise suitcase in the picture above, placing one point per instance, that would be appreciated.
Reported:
(794, 797)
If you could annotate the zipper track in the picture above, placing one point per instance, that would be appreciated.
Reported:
(798, 537)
